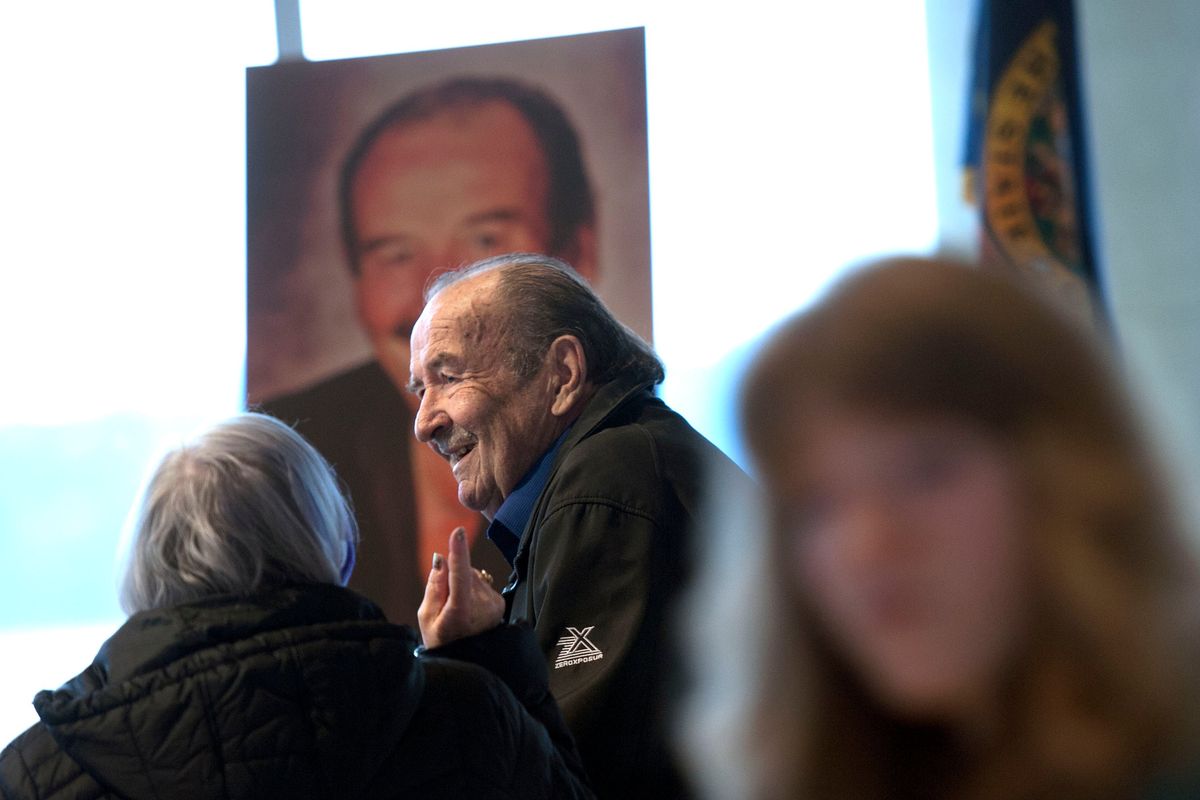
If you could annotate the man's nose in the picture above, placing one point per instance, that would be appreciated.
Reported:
(430, 418)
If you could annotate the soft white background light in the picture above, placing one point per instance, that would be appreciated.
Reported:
(122, 283)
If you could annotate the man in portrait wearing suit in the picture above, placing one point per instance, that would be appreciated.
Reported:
(449, 174)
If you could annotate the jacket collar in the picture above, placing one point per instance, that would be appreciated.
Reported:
(183, 683)
(151, 640)
(609, 399)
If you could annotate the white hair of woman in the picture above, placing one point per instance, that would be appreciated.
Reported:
(247, 504)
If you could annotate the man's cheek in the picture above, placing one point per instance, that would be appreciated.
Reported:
(383, 304)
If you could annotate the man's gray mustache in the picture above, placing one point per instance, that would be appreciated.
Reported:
(453, 440)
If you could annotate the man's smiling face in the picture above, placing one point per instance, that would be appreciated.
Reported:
(437, 194)
(488, 423)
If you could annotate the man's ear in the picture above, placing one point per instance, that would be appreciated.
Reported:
(568, 375)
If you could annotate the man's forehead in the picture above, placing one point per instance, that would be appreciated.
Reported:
(496, 127)
(466, 298)
(460, 318)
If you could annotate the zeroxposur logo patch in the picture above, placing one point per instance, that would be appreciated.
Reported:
(577, 648)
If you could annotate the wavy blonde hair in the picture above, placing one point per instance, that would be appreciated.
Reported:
(1103, 699)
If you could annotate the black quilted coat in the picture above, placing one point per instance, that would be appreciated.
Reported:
(298, 692)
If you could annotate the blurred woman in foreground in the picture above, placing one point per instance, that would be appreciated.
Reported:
(971, 584)
(247, 671)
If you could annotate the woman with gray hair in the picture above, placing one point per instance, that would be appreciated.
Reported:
(246, 669)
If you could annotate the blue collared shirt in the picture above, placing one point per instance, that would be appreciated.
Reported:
(513, 514)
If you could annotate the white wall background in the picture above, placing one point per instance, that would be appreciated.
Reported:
(1142, 64)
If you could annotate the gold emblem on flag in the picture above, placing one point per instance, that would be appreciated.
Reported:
(1028, 181)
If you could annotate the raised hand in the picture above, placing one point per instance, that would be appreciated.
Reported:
(459, 600)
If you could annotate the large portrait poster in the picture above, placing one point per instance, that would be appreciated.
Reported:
(366, 176)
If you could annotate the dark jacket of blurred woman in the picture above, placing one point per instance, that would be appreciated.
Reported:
(909, 641)
(246, 670)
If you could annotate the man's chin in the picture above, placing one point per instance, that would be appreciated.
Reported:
(469, 501)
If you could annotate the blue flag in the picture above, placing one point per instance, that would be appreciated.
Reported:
(1026, 159)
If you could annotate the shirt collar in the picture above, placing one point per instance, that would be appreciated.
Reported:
(507, 526)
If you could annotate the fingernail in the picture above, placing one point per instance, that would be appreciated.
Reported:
(437, 562)
(460, 534)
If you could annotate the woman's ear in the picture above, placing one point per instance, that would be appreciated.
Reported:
(568, 375)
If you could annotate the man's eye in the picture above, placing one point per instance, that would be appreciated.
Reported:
(389, 255)
(487, 242)
(447, 378)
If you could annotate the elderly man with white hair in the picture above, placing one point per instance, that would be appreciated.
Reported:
(543, 404)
